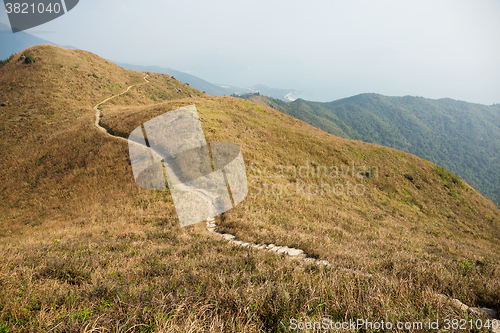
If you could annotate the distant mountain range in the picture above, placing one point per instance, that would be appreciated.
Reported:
(460, 136)
(15, 42)
(214, 89)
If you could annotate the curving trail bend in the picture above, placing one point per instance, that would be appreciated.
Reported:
(284, 250)
(98, 112)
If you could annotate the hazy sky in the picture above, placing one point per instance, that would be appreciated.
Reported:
(326, 49)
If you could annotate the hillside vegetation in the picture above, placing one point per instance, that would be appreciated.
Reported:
(84, 248)
(462, 137)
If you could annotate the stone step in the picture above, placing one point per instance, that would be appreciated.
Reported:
(228, 236)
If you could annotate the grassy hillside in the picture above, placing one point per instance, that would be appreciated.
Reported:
(462, 137)
(84, 248)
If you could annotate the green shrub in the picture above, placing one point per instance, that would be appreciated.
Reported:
(3, 104)
(30, 59)
(447, 177)
(409, 177)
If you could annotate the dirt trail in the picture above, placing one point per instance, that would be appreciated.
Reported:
(208, 197)
(284, 250)
(98, 112)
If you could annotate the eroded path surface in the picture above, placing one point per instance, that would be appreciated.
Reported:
(284, 250)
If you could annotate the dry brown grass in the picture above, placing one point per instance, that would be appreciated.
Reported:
(84, 247)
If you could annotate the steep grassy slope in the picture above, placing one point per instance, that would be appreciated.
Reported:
(84, 247)
(409, 211)
(49, 147)
(462, 137)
